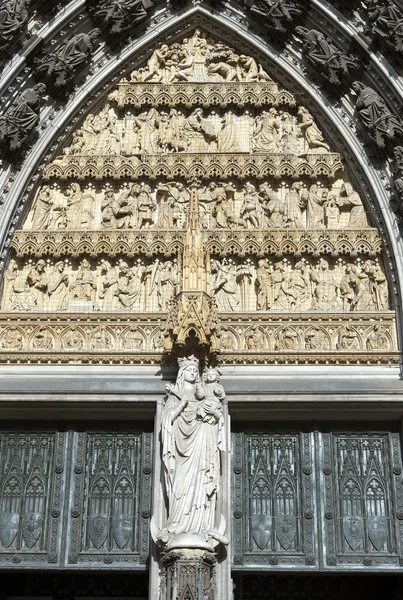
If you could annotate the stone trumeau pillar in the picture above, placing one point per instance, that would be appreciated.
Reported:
(190, 526)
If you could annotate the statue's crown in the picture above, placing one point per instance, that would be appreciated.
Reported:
(188, 360)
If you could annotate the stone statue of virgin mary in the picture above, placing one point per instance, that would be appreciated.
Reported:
(192, 430)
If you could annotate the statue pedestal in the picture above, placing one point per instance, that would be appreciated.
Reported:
(188, 574)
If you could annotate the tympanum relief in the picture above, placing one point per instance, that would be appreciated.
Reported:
(199, 186)
(223, 205)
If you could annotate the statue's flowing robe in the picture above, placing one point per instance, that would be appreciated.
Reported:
(191, 457)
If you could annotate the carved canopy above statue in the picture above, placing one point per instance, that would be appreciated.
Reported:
(201, 199)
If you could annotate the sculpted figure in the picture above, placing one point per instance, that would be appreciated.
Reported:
(164, 279)
(43, 209)
(225, 286)
(251, 210)
(227, 341)
(254, 339)
(273, 207)
(64, 62)
(325, 55)
(331, 211)
(265, 132)
(21, 297)
(275, 12)
(223, 213)
(249, 70)
(13, 19)
(132, 340)
(386, 22)
(210, 410)
(295, 201)
(377, 119)
(351, 199)
(264, 285)
(116, 212)
(166, 206)
(84, 285)
(101, 339)
(378, 339)
(120, 15)
(288, 136)
(192, 436)
(316, 339)
(199, 131)
(287, 339)
(37, 281)
(109, 286)
(146, 125)
(21, 118)
(11, 339)
(398, 173)
(58, 287)
(315, 214)
(9, 279)
(175, 140)
(371, 288)
(348, 286)
(74, 200)
(325, 287)
(154, 70)
(348, 339)
(42, 340)
(146, 207)
(311, 132)
(291, 286)
(228, 137)
(378, 285)
(129, 285)
(72, 339)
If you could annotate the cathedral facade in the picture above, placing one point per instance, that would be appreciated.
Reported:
(200, 301)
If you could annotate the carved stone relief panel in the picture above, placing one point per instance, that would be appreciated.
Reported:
(110, 507)
(363, 500)
(32, 487)
(273, 501)
(82, 286)
(297, 285)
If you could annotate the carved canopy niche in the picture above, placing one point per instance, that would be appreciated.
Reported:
(201, 197)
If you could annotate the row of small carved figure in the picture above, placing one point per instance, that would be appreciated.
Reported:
(222, 206)
(58, 288)
(236, 286)
(254, 339)
(159, 132)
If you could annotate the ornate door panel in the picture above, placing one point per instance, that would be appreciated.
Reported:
(32, 487)
(110, 507)
(273, 501)
(75, 499)
(363, 501)
(353, 520)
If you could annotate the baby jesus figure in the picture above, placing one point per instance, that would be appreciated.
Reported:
(210, 409)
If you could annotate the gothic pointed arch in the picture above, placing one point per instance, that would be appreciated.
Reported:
(198, 190)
